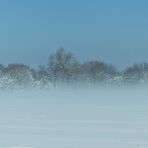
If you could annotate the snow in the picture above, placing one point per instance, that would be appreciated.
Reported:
(79, 118)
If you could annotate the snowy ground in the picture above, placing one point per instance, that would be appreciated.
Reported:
(116, 118)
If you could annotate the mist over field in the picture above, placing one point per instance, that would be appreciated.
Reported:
(75, 118)
(73, 74)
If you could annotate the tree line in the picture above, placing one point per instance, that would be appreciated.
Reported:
(63, 68)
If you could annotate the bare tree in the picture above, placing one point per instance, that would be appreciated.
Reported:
(18, 74)
(96, 71)
(136, 73)
(62, 66)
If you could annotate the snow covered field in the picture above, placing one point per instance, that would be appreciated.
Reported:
(112, 118)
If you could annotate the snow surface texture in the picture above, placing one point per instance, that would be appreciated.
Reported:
(85, 118)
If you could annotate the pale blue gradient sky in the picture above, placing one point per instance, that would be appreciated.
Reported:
(110, 30)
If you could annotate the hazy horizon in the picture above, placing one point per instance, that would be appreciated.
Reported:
(69, 104)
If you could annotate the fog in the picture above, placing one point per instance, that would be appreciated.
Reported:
(74, 118)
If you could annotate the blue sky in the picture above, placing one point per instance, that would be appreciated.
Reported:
(110, 30)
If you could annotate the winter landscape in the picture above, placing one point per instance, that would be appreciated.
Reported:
(81, 118)
(71, 104)
(73, 74)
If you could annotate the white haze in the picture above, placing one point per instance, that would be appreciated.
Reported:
(75, 118)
